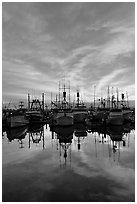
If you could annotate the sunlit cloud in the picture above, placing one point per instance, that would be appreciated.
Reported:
(87, 43)
(108, 79)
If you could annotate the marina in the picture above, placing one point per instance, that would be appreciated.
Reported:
(70, 140)
(68, 102)
(67, 140)
(63, 112)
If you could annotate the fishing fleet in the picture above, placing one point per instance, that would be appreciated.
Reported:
(114, 110)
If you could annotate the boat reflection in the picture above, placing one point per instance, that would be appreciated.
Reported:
(64, 137)
(119, 134)
(95, 127)
(80, 131)
(36, 135)
(116, 138)
(112, 139)
(17, 134)
(115, 133)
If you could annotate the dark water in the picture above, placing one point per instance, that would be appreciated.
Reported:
(78, 163)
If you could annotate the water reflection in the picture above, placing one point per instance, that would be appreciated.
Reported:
(115, 136)
(80, 131)
(36, 135)
(64, 137)
(17, 134)
(94, 152)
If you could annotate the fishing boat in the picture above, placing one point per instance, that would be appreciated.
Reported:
(4, 121)
(125, 108)
(35, 111)
(79, 111)
(62, 114)
(17, 117)
(62, 120)
(34, 116)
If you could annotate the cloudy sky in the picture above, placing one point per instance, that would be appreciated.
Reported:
(91, 44)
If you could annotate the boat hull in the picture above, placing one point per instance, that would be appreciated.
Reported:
(34, 117)
(115, 118)
(126, 115)
(63, 121)
(17, 121)
(79, 117)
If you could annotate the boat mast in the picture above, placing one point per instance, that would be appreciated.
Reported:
(108, 100)
(127, 100)
(64, 94)
(28, 101)
(56, 99)
(64, 98)
(69, 93)
(21, 104)
(77, 97)
(122, 95)
(112, 100)
(59, 93)
(117, 98)
(74, 101)
(51, 100)
(43, 102)
(94, 95)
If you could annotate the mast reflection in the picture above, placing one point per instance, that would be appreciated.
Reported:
(64, 138)
(116, 137)
(80, 131)
(36, 135)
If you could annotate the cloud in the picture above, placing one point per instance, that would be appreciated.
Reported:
(110, 78)
(83, 41)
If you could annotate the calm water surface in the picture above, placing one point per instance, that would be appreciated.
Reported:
(69, 164)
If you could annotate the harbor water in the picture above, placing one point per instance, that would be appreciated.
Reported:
(78, 163)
